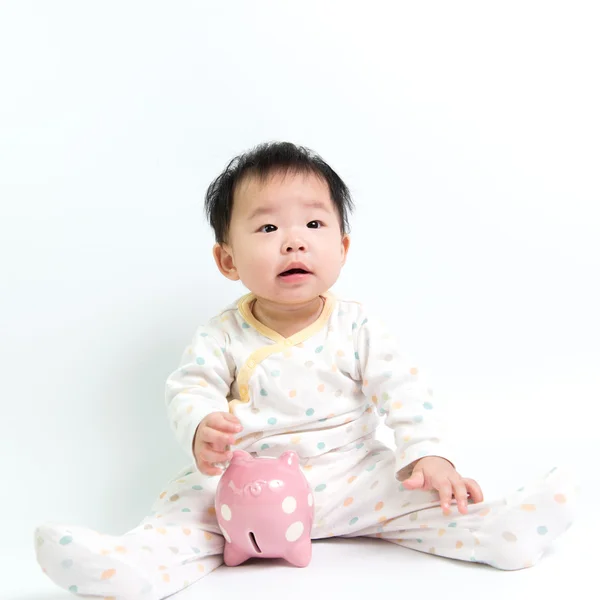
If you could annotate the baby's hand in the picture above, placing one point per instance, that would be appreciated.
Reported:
(435, 473)
(212, 440)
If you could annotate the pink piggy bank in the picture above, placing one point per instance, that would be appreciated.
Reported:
(265, 509)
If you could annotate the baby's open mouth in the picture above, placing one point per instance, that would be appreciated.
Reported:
(294, 272)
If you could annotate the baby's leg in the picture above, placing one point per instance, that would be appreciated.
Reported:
(511, 533)
(177, 544)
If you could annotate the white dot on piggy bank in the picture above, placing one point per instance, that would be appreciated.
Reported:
(226, 535)
(289, 505)
(295, 530)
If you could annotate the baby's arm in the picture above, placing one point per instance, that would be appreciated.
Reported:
(400, 393)
(200, 386)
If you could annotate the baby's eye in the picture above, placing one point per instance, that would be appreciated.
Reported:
(314, 224)
(268, 228)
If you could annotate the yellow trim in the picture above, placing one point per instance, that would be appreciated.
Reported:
(245, 308)
(281, 343)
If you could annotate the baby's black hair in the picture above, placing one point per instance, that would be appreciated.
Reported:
(262, 161)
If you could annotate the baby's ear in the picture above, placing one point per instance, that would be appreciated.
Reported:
(223, 256)
(290, 458)
(239, 456)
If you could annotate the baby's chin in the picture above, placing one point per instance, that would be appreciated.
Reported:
(289, 297)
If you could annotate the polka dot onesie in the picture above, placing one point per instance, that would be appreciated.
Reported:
(321, 393)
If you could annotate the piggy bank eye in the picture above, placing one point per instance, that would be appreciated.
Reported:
(275, 484)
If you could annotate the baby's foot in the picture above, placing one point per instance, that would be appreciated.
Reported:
(88, 563)
(521, 531)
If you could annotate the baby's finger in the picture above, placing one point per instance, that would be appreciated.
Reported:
(208, 454)
(445, 490)
(460, 493)
(208, 469)
(218, 440)
(474, 490)
(225, 422)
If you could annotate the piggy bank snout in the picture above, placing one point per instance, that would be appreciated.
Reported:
(254, 488)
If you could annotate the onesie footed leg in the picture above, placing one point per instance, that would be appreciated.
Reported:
(84, 562)
(517, 534)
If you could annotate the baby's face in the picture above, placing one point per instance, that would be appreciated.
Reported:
(285, 241)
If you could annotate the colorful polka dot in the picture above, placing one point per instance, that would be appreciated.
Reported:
(310, 412)
(427, 406)
(67, 539)
(245, 325)
(528, 507)
(356, 355)
(318, 349)
(263, 392)
(108, 574)
(348, 501)
(321, 445)
(73, 589)
(264, 447)
(453, 524)
(418, 419)
(292, 393)
(509, 537)
(542, 530)
(275, 373)
(560, 498)
(200, 360)
(321, 387)
(379, 506)
(354, 520)
(272, 421)
(198, 488)
(354, 326)
(320, 487)
(67, 564)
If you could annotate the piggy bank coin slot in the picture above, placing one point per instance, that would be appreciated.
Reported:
(254, 543)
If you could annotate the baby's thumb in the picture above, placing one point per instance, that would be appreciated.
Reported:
(231, 418)
(415, 481)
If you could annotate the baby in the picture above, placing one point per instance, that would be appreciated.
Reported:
(291, 367)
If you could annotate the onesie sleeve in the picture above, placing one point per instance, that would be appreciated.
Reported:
(400, 393)
(200, 385)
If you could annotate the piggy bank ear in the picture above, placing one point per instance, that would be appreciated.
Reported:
(290, 458)
(239, 456)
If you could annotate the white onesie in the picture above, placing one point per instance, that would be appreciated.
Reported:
(314, 392)
(321, 393)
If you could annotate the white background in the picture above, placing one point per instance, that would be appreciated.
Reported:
(469, 135)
